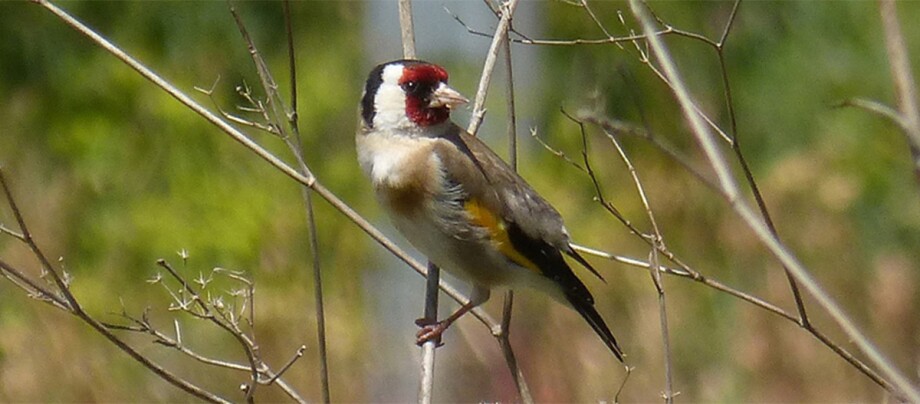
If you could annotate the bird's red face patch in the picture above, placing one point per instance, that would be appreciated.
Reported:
(419, 82)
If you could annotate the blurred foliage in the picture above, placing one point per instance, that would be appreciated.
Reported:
(113, 174)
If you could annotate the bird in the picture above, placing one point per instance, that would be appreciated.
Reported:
(457, 201)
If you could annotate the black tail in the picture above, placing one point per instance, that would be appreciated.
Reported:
(586, 309)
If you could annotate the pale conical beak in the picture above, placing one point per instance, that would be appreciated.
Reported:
(445, 96)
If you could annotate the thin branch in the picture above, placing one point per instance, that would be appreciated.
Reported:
(228, 326)
(657, 243)
(742, 161)
(754, 300)
(34, 290)
(429, 348)
(70, 303)
(504, 340)
(877, 108)
(12, 233)
(681, 272)
(730, 192)
(273, 98)
(599, 195)
(297, 355)
(511, 128)
(26, 237)
(296, 148)
(903, 78)
(407, 29)
(292, 66)
(498, 40)
(143, 325)
(524, 40)
(668, 394)
(556, 152)
(612, 128)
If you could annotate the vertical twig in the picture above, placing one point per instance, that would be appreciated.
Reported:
(307, 195)
(903, 79)
(426, 378)
(504, 342)
(407, 29)
(730, 192)
(292, 67)
(512, 119)
(657, 241)
(505, 337)
(498, 40)
(742, 161)
(426, 384)
(669, 393)
(294, 144)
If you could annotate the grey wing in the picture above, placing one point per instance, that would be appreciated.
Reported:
(531, 216)
(520, 203)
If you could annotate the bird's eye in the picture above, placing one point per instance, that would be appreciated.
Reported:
(411, 86)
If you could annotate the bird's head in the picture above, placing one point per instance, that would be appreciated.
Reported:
(408, 94)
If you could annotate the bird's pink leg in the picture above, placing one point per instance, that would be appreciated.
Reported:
(432, 330)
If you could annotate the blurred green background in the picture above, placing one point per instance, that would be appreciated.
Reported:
(113, 174)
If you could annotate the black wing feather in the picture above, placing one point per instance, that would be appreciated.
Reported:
(590, 314)
(550, 262)
(535, 230)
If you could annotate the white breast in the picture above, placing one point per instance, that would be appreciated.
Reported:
(393, 160)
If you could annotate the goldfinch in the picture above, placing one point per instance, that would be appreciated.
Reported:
(456, 201)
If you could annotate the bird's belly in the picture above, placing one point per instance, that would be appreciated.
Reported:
(471, 259)
(468, 258)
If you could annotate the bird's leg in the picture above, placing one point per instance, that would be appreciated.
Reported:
(432, 330)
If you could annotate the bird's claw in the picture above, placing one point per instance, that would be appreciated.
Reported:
(431, 331)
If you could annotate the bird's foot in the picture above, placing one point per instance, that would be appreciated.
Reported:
(431, 331)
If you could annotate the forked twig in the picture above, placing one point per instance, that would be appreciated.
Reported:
(731, 193)
(69, 303)
(657, 242)
(293, 141)
(207, 312)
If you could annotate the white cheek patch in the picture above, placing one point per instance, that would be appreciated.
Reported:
(390, 102)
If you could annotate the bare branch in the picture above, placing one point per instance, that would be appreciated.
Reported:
(33, 289)
(498, 40)
(407, 29)
(901, 71)
(730, 192)
(26, 237)
(293, 141)
(909, 117)
(69, 303)
(877, 108)
(657, 243)
(297, 355)
(504, 340)
(229, 326)
(11, 233)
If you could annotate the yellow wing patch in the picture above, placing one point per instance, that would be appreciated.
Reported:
(482, 217)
